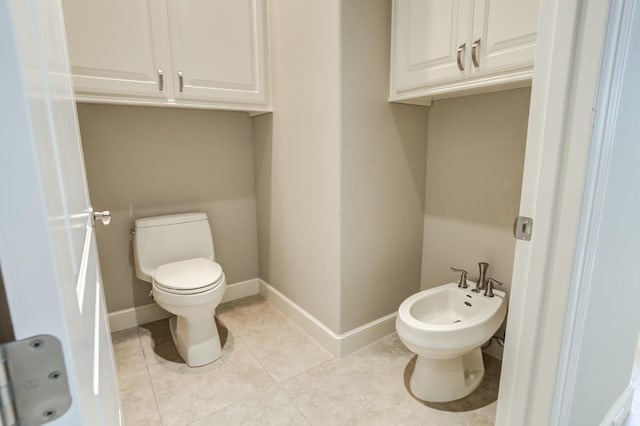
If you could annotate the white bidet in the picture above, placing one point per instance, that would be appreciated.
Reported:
(445, 326)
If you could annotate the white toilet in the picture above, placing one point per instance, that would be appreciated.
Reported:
(175, 253)
(445, 326)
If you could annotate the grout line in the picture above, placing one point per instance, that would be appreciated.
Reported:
(120, 374)
(155, 397)
(311, 339)
(240, 340)
(288, 319)
(153, 389)
(293, 403)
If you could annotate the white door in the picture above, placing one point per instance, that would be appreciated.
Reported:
(119, 47)
(47, 243)
(504, 32)
(217, 50)
(430, 42)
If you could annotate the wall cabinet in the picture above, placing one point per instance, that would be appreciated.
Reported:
(197, 53)
(442, 48)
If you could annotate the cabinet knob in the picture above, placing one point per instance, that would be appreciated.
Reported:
(461, 50)
(474, 53)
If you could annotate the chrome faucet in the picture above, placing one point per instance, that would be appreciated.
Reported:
(481, 284)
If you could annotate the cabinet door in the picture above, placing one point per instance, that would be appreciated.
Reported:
(426, 38)
(117, 47)
(506, 30)
(218, 50)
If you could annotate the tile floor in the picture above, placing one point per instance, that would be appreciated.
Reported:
(270, 373)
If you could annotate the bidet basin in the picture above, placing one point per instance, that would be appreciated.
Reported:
(448, 321)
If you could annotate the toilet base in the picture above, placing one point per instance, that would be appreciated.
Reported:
(197, 340)
(443, 380)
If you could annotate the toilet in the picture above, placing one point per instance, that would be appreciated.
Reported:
(175, 254)
(446, 326)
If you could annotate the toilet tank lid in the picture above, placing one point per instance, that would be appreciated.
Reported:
(172, 219)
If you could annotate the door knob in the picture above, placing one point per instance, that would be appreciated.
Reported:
(104, 217)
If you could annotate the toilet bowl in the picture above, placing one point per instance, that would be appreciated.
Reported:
(445, 326)
(175, 254)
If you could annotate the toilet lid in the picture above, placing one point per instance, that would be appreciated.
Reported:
(188, 274)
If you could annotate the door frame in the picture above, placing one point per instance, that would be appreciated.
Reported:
(569, 52)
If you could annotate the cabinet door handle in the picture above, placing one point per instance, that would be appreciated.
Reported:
(181, 81)
(461, 49)
(474, 53)
(160, 80)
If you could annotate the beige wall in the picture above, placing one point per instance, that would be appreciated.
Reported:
(383, 173)
(144, 161)
(475, 157)
(297, 159)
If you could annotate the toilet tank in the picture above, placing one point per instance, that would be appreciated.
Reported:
(165, 239)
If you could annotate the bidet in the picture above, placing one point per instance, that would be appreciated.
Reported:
(445, 326)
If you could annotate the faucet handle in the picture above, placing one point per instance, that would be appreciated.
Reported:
(491, 282)
(463, 277)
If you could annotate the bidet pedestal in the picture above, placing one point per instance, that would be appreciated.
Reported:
(443, 380)
(197, 340)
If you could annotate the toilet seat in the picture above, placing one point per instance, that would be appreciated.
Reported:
(189, 276)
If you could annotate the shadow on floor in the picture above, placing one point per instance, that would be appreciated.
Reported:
(163, 345)
(484, 395)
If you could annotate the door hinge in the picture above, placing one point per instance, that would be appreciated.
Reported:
(34, 388)
(523, 228)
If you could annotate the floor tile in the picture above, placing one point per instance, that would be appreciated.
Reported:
(249, 315)
(282, 348)
(364, 388)
(127, 351)
(138, 402)
(185, 394)
(270, 407)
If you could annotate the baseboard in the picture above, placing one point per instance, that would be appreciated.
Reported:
(337, 344)
(241, 289)
(133, 317)
(620, 409)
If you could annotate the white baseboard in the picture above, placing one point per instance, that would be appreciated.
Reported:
(337, 344)
(133, 317)
(241, 289)
(620, 409)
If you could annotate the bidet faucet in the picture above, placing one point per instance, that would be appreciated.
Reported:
(491, 282)
(463, 277)
(481, 284)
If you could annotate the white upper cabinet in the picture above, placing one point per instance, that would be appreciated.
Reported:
(218, 50)
(117, 47)
(440, 48)
(195, 53)
(429, 41)
(505, 35)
